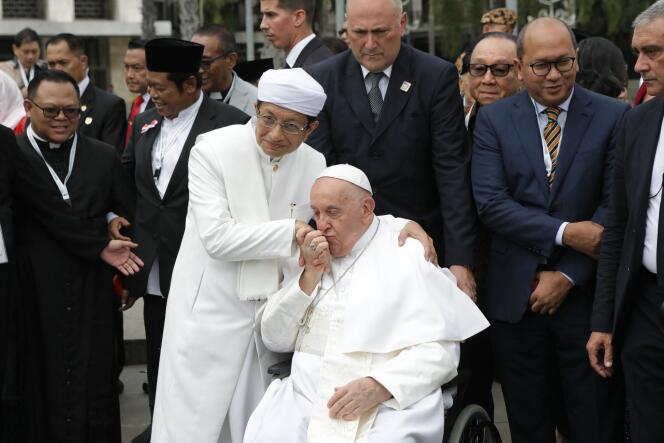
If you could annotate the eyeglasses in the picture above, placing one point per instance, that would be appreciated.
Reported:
(207, 61)
(342, 31)
(497, 70)
(564, 64)
(288, 127)
(51, 112)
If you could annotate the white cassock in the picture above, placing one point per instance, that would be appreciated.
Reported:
(392, 316)
(240, 222)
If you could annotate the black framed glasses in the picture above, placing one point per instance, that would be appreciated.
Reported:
(207, 61)
(288, 127)
(51, 112)
(564, 64)
(497, 70)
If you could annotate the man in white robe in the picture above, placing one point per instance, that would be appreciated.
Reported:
(248, 194)
(374, 338)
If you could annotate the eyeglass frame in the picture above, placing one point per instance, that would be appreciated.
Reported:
(491, 68)
(261, 118)
(205, 64)
(554, 63)
(58, 111)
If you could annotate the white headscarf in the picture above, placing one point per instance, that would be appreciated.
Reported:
(292, 89)
(11, 111)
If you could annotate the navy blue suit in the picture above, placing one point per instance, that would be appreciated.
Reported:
(416, 156)
(537, 353)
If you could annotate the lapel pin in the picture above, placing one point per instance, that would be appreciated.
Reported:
(405, 86)
(146, 127)
(88, 120)
(84, 108)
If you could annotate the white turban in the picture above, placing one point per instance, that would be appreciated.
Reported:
(347, 173)
(292, 89)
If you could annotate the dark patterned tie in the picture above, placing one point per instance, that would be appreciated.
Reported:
(552, 132)
(375, 97)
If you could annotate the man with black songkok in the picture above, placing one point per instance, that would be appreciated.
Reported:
(157, 157)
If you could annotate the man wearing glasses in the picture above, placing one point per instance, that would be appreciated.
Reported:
(492, 73)
(157, 158)
(65, 184)
(220, 82)
(541, 173)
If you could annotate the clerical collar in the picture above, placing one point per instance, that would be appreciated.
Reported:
(295, 52)
(224, 95)
(83, 85)
(51, 145)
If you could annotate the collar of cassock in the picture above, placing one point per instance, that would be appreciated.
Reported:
(43, 143)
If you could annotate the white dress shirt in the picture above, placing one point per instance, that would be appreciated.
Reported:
(294, 53)
(83, 85)
(173, 134)
(382, 84)
(652, 213)
(146, 99)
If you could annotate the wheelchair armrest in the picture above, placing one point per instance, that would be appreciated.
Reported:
(281, 369)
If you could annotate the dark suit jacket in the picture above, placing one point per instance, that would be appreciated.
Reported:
(103, 117)
(312, 53)
(513, 198)
(416, 157)
(621, 251)
(159, 223)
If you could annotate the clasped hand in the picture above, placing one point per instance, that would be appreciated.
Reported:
(550, 292)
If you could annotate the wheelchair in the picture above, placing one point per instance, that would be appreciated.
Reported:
(473, 424)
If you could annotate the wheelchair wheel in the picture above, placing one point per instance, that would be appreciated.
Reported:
(473, 425)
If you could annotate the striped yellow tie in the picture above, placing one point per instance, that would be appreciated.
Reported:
(552, 133)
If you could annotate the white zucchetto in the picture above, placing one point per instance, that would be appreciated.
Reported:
(347, 173)
(292, 89)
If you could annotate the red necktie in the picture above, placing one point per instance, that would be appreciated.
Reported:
(135, 110)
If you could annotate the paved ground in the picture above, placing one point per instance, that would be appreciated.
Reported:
(135, 414)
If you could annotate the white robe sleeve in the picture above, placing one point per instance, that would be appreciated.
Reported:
(396, 223)
(223, 237)
(283, 311)
(417, 371)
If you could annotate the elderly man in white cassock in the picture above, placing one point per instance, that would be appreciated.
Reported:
(375, 329)
(248, 196)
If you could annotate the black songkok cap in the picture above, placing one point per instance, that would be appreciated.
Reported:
(173, 55)
(252, 71)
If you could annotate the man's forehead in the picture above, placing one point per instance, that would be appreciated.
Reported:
(56, 92)
(649, 34)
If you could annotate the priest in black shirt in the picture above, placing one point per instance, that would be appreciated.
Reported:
(65, 185)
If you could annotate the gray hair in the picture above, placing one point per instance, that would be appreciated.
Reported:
(398, 6)
(654, 11)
